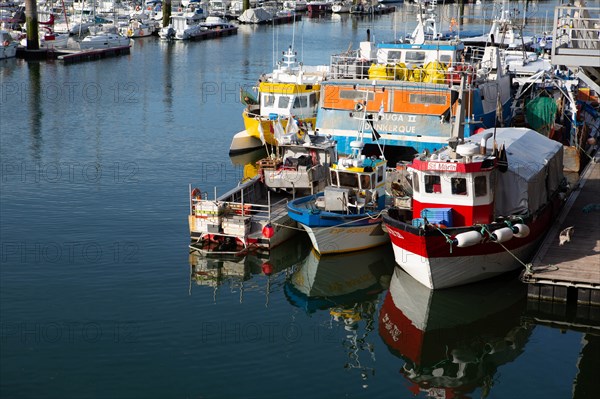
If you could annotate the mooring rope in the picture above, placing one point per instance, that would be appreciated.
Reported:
(527, 266)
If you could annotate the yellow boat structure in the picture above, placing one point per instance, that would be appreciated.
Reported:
(291, 91)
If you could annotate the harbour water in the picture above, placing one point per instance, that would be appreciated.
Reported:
(99, 296)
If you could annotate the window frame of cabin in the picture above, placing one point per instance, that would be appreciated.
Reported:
(356, 95)
(458, 190)
(348, 179)
(426, 98)
(477, 186)
(268, 100)
(429, 185)
(415, 182)
(313, 100)
(285, 99)
(380, 175)
(298, 102)
(419, 60)
(446, 59)
(334, 178)
(394, 55)
(366, 181)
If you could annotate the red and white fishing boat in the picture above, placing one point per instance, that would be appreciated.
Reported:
(476, 213)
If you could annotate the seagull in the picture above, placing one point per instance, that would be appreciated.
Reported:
(565, 235)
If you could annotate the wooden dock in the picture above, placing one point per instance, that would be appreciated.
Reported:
(571, 271)
(69, 56)
(72, 56)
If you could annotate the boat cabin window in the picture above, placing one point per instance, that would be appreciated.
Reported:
(365, 182)
(459, 185)
(394, 56)
(380, 175)
(480, 186)
(433, 184)
(313, 100)
(446, 59)
(269, 100)
(300, 102)
(356, 95)
(415, 181)
(334, 179)
(415, 57)
(284, 102)
(348, 179)
(423, 98)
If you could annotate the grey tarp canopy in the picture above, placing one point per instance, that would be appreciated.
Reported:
(535, 169)
(255, 16)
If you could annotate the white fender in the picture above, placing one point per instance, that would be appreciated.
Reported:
(467, 239)
(503, 234)
(520, 230)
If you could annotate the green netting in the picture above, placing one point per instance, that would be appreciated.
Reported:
(541, 113)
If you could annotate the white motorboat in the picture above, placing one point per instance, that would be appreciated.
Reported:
(8, 47)
(103, 40)
(340, 7)
(137, 28)
(183, 26)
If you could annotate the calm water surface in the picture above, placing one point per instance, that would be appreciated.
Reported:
(99, 296)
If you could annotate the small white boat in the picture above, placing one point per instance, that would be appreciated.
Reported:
(8, 47)
(137, 28)
(103, 40)
(183, 26)
(295, 5)
(340, 7)
(48, 38)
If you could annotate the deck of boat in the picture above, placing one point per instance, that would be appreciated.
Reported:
(575, 266)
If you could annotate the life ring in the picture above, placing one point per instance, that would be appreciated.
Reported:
(196, 193)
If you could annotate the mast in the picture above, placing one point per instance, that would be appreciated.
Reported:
(458, 129)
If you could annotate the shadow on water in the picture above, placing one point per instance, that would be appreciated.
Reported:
(453, 341)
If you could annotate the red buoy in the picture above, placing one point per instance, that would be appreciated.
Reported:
(268, 231)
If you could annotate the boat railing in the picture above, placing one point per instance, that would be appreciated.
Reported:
(245, 200)
(348, 66)
(576, 40)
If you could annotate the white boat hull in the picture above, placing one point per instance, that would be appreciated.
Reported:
(9, 51)
(436, 273)
(104, 41)
(243, 142)
(332, 240)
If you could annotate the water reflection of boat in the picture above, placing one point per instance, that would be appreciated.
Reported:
(454, 340)
(248, 160)
(348, 286)
(329, 281)
(235, 270)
